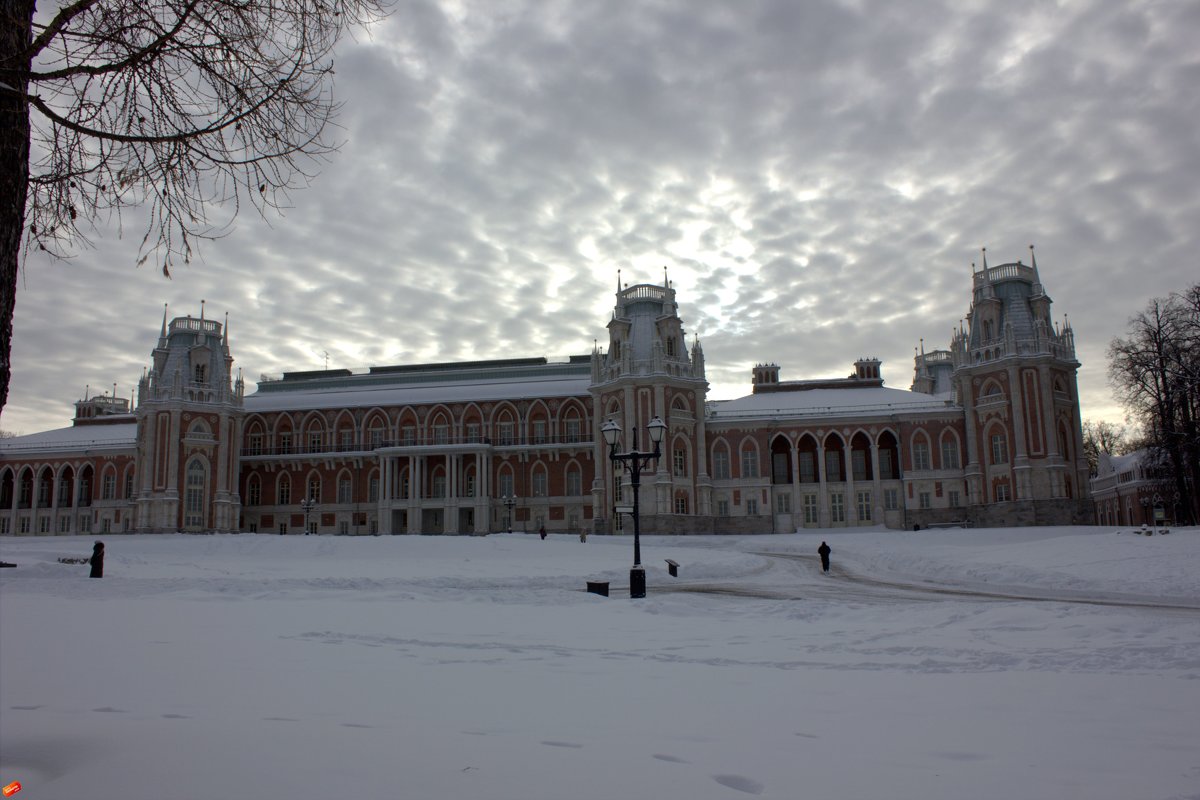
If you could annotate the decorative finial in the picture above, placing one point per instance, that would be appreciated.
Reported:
(202, 309)
(164, 327)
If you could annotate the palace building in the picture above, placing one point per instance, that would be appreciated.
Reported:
(987, 434)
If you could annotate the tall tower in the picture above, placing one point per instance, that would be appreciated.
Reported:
(649, 371)
(1015, 373)
(189, 415)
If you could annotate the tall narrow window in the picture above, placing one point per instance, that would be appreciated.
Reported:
(921, 455)
(679, 462)
(539, 483)
(506, 485)
(193, 499)
(574, 428)
(949, 453)
(810, 509)
(749, 463)
(999, 449)
(285, 491)
(574, 482)
(314, 489)
(344, 491)
(864, 506)
(721, 464)
(837, 507)
(808, 467)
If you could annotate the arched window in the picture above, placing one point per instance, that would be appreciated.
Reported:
(720, 462)
(194, 495)
(253, 491)
(285, 490)
(749, 460)
(574, 480)
(950, 458)
(921, 459)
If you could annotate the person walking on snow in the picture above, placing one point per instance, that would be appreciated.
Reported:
(97, 561)
(824, 551)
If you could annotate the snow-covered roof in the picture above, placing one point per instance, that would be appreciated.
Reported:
(107, 436)
(842, 402)
(397, 394)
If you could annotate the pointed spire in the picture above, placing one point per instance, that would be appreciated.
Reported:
(225, 338)
(1037, 279)
(618, 280)
(985, 263)
(164, 327)
(666, 283)
(201, 309)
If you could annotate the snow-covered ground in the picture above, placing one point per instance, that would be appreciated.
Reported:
(1034, 663)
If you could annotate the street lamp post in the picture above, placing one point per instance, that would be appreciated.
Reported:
(308, 505)
(509, 501)
(634, 462)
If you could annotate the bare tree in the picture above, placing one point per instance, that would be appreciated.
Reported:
(1102, 437)
(1156, 372)
(188, 108)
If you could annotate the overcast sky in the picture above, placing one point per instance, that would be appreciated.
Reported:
(817, 177)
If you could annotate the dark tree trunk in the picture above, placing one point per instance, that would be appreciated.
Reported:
(16, 27)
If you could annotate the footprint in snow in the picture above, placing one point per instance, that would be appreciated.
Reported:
(563, 744)
(739, 783)
(672, 759)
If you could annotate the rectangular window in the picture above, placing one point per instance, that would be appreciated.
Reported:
(345, 491)
(439, 486)
(721, 464)
(64, 524)
(254, 494)
(85, 524)
(810, 509)
(680, 505)
(574, 431)
(887, 466)
(749, 463)
(539, 431)
(282, 528)
(373, 490)
(4, 526)
(506, 485)
(833, 465)
(343, 527)
(955, 501)
(106, 525)
(539, 483)
(346, 439)
(864, 506)
(376, 438)
(23, 526)
(64, 493)
(254, 444)
(108, 488)
(574, 483)
(949, 454)
(285, 442)
(314, 441)
(504, 432)
(472, 432)
(924, 499)
(999, 449)
(751, 508)
(285, 493)
(808, 468)
(891, 499)
(314, 489)
(44, 525)
(837, 507)
(129, 486)
(408, 435)
(1003, 494)
(470, 487)
(722, 508)
(858, 462)
(921, 456)
(441, 434)
(783, 503)
(679, 462)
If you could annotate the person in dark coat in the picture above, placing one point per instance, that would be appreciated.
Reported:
(542, 531)
(97, 560)
(824, 551)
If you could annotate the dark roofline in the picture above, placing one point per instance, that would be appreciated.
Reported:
(456, 366)
(830, 383)
(316, 373)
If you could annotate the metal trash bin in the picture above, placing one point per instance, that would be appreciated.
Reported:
(598, 587)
